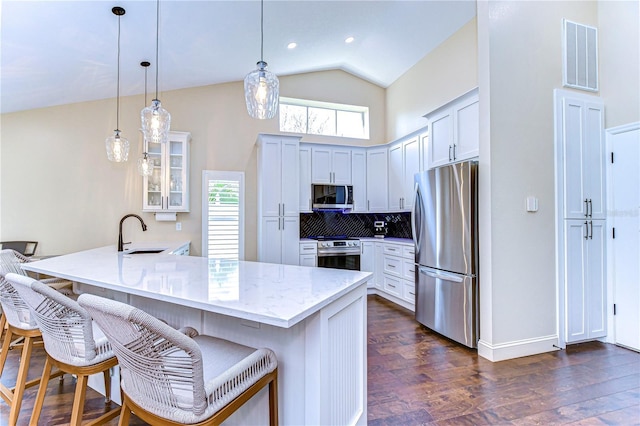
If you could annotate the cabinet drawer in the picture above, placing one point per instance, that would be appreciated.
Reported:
(409, 252)
(408, 270)
(392, 249)
(392, 286)
(308, 248)
(392, 265)
(409, 293)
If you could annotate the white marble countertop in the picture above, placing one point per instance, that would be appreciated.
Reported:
(279, 295)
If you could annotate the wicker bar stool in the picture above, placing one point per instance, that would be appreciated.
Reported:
(11, 261)
(73, 342)
(163, 377)
(19, 323)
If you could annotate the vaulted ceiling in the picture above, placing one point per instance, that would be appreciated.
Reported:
(59, 52)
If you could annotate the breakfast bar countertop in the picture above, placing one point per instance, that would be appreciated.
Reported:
(274, 294)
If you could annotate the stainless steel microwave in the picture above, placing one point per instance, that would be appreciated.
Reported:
(332, 197)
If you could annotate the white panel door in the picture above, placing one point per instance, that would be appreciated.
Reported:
(596, 283)
(271, 240)
(359, 180)
(377, 180)
(270, 177)
(321, 165)
(341, 166)
(467, 130)
(304, 200)
(411, 156)
(290, 240)
(624, 217)
(594, 159)
(395, 177)
(290, 175)
(575, 280)
(575, 205)
(441, 146)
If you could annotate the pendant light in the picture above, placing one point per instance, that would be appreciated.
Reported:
(261, 87)
(117, 146)
(145, 167)
(156, 120)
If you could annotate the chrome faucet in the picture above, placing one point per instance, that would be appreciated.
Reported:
(120, 243)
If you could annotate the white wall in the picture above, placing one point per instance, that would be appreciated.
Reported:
(445, 73)
(619, 60)
(58, 187)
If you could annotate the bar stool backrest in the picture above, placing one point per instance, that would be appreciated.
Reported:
(67, 328)
(14, 308)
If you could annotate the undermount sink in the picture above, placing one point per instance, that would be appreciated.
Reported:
(146, 251)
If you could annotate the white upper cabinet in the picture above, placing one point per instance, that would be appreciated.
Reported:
(305, 179)
(167, 189)
(404, 163)
(584, 155)
(359, 180)
(377, 185)
(454, 131)
(331, 165)
(279, 219)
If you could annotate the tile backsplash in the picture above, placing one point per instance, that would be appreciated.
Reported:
(353, 224)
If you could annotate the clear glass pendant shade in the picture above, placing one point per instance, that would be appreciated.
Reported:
(145, 166)
(261, 92)
(156, 122)
(117, 148)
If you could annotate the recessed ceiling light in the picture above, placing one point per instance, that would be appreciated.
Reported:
(349, 40)
(292, 45)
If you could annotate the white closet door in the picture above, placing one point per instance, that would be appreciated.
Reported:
(624, 217)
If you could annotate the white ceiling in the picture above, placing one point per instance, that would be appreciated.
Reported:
(59, 52)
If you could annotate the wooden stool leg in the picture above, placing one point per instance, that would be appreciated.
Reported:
(273, 400)
(78, 400)
(125, 413)
(107, 385)
(3, 323)
(5, 349)
(16, 401)
(42, 390)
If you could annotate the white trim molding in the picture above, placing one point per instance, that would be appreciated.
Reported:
(517, 348)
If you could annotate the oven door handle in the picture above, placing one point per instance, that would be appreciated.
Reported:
(342, 254)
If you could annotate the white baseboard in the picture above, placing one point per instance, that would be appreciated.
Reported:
(518, 348)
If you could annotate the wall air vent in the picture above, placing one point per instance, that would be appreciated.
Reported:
(580, 56)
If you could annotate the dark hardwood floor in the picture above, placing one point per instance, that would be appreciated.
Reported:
(417, 377)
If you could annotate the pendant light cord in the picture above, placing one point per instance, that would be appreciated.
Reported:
(118, 85)
(261, 30)
(157, 42)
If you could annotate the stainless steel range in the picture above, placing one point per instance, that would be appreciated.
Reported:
(338, 252)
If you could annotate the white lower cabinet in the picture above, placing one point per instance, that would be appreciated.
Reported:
(278, 235)
(393, 270)
(585, 280)
(367, 259)
(392, 285)
(308, 254)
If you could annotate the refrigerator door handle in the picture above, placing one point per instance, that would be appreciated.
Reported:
(441, 275)
(416, 242)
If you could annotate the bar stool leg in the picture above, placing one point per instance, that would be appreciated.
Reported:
(42, 390)
(78, 400)
(16, 401)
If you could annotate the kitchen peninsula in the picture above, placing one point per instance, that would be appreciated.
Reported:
(314, 319)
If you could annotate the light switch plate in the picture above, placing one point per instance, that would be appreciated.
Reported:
(532, 204)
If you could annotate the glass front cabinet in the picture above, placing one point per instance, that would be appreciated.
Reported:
(167, 189)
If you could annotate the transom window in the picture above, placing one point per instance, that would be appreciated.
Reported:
(323, 118)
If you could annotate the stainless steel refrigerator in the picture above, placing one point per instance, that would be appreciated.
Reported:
(445, 233)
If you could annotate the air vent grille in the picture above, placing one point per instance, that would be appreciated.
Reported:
(580, 56)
